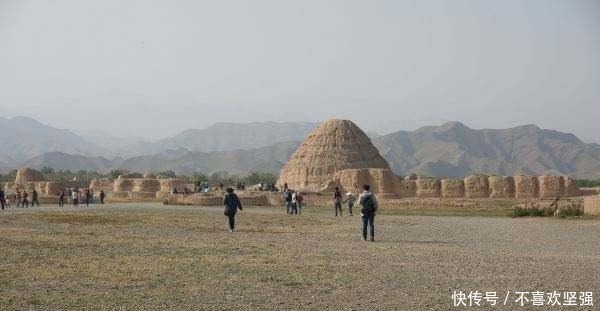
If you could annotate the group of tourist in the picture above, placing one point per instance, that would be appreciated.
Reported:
(293, 205)
(76, 197)
(368, 204)
(20, 199)
(200, 187)
(293, 200)
(70, 196)
(266, 187)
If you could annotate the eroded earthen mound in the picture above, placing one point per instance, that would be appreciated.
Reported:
(334, 146)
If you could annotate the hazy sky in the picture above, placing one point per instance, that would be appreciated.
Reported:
(152, 68)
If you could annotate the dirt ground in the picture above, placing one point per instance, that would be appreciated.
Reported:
(153, 257)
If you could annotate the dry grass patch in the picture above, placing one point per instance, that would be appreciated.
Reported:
(150, 257)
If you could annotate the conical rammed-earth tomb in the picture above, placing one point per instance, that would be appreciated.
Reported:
(334, 146)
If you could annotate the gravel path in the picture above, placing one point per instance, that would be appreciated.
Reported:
(146, 257)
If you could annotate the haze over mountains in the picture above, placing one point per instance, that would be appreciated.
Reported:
(449, 150)
(224, 137)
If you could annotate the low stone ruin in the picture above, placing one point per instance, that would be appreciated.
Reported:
(478, 186)
(144, 187)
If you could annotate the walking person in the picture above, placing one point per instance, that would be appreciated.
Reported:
(18, 197)
(88, 197)
(34, 198)
(61, 198)
(294, 202)
(2, 198)
(287, 198)
(75, 197)
(299, 201)
(337, 201)
(25, 200)
(232, 203)
(368, 203)
(350, 199)
(102, 196)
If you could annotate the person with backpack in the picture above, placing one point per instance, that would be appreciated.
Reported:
(368, 203)
(232, 203)
(337, 201)
(287, 198)
(34, 198)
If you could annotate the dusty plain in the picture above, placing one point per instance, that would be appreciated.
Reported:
(154, 257)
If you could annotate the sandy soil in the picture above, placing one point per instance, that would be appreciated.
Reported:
(152, 257)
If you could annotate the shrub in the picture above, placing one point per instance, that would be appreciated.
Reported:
(570, 212)
(546, 212)
(533, 212)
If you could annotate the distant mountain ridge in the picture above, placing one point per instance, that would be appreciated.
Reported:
(449, 150)
(225, 137)
(22, 138)
(455, 150)
(182, 161)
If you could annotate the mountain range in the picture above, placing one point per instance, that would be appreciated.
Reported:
(449, 150)
(455, 150)
(22, 138)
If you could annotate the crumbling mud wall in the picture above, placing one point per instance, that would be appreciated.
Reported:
(551, 186)
(428, 188)
(571, 189)
(477, 186)
(408, 188)
(502, 186)
(453, 188)
(146, 185)
(167, 185)
(381, 181)
(123, 185)
(102, 184)
(526, 187)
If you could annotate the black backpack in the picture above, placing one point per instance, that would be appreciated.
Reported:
(368, 205)
(288, 197)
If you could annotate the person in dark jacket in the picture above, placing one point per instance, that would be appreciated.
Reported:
(369, 206)
(61, 198)
(25, 200)
(18, 198)
(337, 201)
(232, 203)
(102, 196)
(88, 197)
(2, 198)
(34, 198)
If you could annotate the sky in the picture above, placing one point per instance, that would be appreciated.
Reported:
(154, 68)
